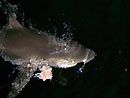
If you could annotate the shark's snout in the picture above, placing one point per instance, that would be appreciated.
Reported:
(90, 54)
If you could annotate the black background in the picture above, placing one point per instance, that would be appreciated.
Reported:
(103, 26)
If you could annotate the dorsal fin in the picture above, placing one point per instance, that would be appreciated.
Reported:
(13, 23)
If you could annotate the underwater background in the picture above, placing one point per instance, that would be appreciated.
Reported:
(101, 25)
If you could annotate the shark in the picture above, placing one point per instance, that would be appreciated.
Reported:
(31, 49)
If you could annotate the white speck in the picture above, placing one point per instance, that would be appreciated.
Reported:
(39, 32)
(72, 61)
(84, 60)
(125, 69)
(65, 49)
(119, 51)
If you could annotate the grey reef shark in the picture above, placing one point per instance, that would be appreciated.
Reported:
(31, 49)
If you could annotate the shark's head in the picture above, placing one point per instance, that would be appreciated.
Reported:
(71, 55)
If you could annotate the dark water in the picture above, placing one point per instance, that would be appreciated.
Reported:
(98, 24)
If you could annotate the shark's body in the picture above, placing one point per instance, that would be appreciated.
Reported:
(31, 50)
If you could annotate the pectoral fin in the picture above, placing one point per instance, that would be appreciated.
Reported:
(25, 73)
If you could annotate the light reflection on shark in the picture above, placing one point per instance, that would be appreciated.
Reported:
(31, 50)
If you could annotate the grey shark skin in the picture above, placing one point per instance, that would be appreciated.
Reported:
(31, 50)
